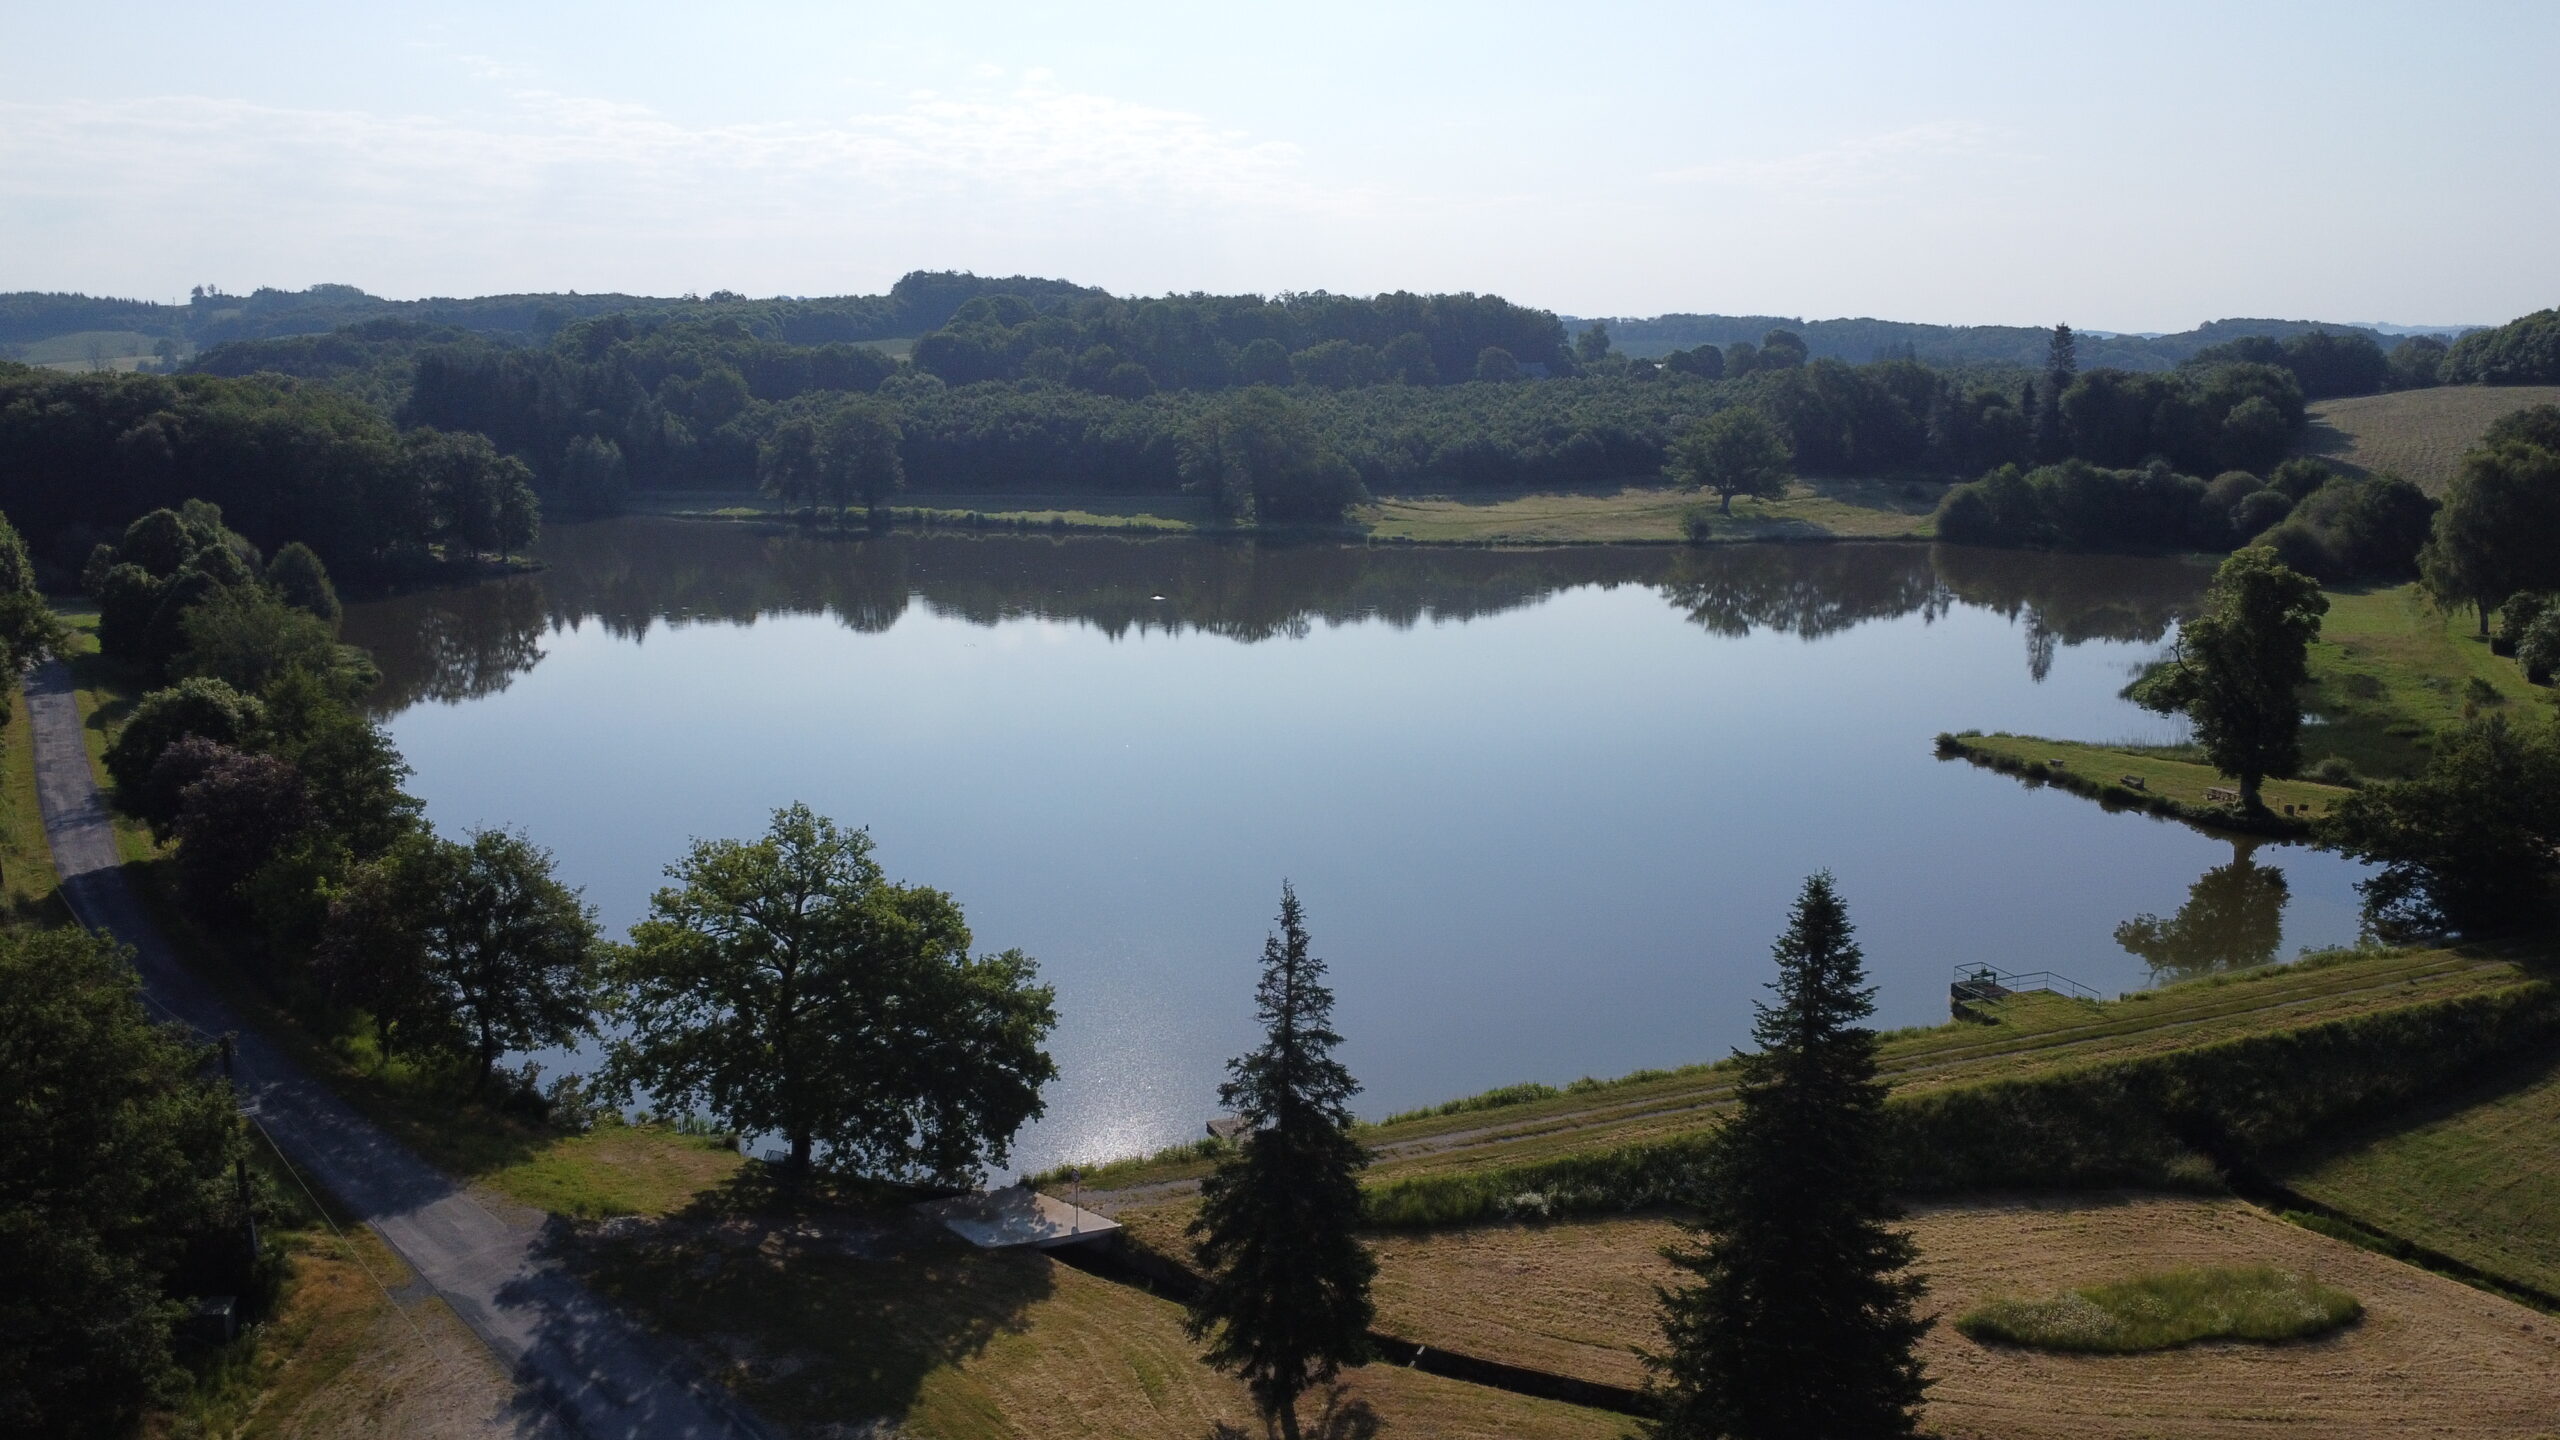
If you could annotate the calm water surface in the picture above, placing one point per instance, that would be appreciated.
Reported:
(1546, 809)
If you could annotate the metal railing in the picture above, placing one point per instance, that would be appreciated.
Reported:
(2052, 981)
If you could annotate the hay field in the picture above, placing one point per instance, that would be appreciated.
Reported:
(2430, 1357)
(2420, 434)
(959, 1344)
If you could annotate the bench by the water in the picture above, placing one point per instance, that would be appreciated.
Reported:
(2133, 782)
(1017, 1216)
(2221, 795)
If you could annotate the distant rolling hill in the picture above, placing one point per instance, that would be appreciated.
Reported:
(1860, 340)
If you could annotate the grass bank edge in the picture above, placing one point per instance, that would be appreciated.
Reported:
(2059, 1036)
(2171, 788)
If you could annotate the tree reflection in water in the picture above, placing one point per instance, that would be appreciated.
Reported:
(635, 573)
(2233, 919)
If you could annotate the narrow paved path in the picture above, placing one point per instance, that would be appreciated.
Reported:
(572, 1353)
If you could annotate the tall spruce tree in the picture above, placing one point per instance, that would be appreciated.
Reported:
(1286, 1302)
(1795, 1321)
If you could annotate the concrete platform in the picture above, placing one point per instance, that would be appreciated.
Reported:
(1017, 1216)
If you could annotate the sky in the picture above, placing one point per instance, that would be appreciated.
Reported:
(2115, 166)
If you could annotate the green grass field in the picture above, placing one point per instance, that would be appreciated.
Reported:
(2417, 434)
(87, 350)
(2475, 1176)
(1812, 510)
(2390, 670)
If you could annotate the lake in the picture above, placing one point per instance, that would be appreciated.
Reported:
(1546, 809)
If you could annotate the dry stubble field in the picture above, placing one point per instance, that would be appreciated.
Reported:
(2431, 1357)
(2419, 434)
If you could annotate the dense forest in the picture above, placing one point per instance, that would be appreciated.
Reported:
(82, 454)
(2524, 351)
(1021, 386)
(662, 402)
(921, 301)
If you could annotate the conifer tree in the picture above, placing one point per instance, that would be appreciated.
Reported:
(2062, 355)
(1795, 1319)
(1286, 1302)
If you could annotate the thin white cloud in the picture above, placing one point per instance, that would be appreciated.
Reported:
(1859, 163)
(543, 166)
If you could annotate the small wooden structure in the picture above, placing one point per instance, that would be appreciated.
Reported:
(2221, 795)
(2133, 782)
(1228, 1127)
(1976, 987)
(1017, 1217)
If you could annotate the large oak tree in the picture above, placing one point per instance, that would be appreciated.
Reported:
(788, 988)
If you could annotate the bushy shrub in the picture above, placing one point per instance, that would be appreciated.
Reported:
(2168, 1309)
(2077, 506)
(2538, 651)
(195, 706)
(2516, 617)
(2257, 511)
(2356, 529)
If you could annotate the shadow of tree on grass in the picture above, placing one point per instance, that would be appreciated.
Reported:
(817, 1306)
